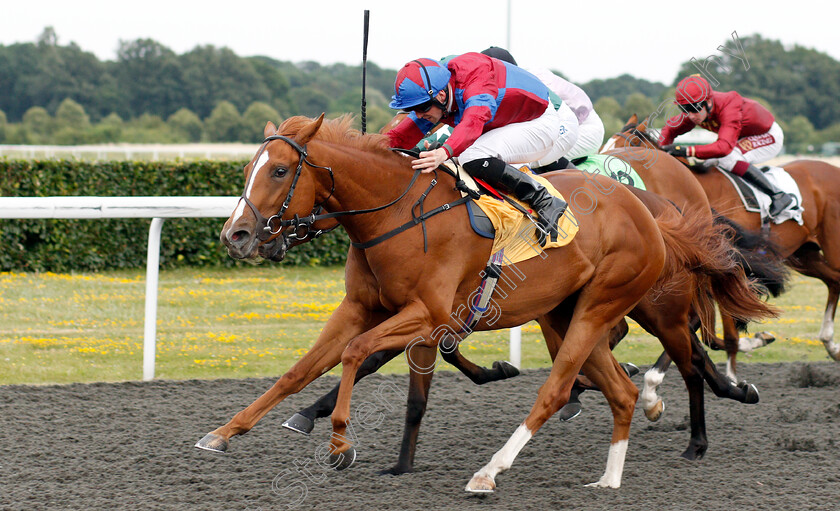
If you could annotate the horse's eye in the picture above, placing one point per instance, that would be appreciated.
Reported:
(280, 171)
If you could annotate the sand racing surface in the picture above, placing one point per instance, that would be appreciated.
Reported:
(130, 446)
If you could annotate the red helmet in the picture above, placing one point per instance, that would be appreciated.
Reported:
(692, 90)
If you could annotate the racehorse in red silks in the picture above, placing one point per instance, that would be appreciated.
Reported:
(812, 249)
(408, 268)
(667, 316)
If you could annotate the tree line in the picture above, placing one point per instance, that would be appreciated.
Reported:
(60, 94)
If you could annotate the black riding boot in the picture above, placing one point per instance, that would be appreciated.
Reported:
(525, 188)
(561, 164)
(779, 199)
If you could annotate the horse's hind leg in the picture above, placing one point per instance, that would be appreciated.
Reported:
(573, 407)
(830, 242)
(602, 368)
(827, 328)
(668, 321)
(304, 420)
(721, 385)
(554, 393)
(501, 370)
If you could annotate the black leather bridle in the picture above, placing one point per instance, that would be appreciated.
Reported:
(301, 227)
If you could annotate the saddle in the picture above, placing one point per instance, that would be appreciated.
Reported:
(756, 201)
(505, 220)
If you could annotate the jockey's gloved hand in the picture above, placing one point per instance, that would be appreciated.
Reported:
(678, 150)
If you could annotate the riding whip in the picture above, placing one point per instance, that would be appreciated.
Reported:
(364, 71)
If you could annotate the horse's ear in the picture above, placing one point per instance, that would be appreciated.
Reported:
(633, 119)
(306, 133)
(643, 125)
(270, 129)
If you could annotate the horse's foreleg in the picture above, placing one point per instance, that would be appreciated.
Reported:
(651, 402)
(418, 396)
(304, 420)
(408, 329)
(730, 343)
(346, 322)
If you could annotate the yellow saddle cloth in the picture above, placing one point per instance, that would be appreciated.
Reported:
(515, 232)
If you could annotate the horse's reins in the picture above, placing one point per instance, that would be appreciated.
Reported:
(301, 227)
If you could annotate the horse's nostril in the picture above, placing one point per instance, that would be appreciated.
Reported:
(239, 236)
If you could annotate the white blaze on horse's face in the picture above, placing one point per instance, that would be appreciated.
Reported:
(258, 165)
(609, 145)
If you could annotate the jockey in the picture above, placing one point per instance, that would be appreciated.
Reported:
(590, 134)
(747, 134)
(500, 115)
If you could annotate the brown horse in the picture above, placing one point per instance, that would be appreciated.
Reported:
(812, 249)
(665, 312)
(398, 295)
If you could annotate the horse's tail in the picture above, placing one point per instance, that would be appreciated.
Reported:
(760, 258)
(706, 251)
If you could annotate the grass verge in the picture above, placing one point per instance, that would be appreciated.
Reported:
(257, 321)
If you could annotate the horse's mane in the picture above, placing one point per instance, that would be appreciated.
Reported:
(338, 131)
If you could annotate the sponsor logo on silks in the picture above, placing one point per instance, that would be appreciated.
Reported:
(754, 142)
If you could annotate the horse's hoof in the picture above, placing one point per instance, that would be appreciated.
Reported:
(655, 411)
(508, 369)
(759, 340)
(630, 368)
(300, 424)
(214, 443)
(603, 483)
(481, 484)
(343, 460)
(569, 411)
(833, 349)
(694, 452)
(750, 393)
(396, 470)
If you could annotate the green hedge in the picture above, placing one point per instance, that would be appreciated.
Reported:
(90, 245)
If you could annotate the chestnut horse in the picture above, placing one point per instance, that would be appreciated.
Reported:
(812, 249)
(400, 294)
(664, 314)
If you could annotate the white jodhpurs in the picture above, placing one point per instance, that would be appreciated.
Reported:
(590, 137)
(754, 149)
(522, 142)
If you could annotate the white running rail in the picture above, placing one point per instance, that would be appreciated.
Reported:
(156, 208)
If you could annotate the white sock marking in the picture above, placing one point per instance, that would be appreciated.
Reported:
(653, 379)
(615, 466)
(503, 459)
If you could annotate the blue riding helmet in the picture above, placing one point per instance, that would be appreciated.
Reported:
(418, 82)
